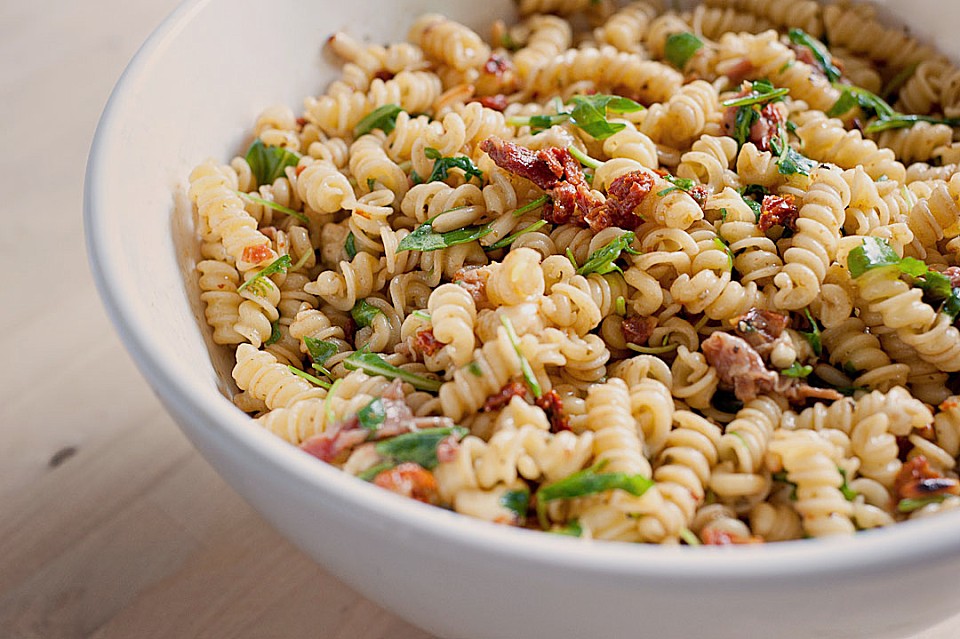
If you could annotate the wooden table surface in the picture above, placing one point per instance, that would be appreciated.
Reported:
(111, 525)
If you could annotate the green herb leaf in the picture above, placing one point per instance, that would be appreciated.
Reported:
(874, 252)
(897, 81)
(910, 505)
(424, 238)
(531, 206)
(442, 166)
(528, 375)
(792, 162)
(282, 263)
(689, 537)
(589, 113)
(680, 47)
(820, 53)
(902, 121)
(383, 118)
(621, 306)
(813, 337)
(350, 246)
(590, 481)
(848, 493)
(373, 364)
(762, 92)
(844, 103)
(507, 241)
(721, 245)
(419, 447)
(652, 350)
(797, 371)
(307, 376)
(422, 315)
(276, 207)
(363, 313)
(274, 333)
(372, 415)
(474, 369)
(371, 473)
(268, 162)
(571, 529)
(517, 502)
(603, 260)
(320, 351)
(583, 158)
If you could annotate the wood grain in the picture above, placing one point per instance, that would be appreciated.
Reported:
(111, 525)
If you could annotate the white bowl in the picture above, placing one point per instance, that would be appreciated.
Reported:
(193, 91)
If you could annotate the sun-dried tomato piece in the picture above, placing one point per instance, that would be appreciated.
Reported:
(505, 394)
(552, 405)
(410, 480)
(474, 280)
(256, 253)
(779, 210)
(496, 102)
(624, 195)
(426, 343)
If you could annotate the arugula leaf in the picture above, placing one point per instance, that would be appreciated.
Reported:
(442, 166)
(328, 402)
(276, 207)
(424, 238)
(820, 53)
(372, 416)
(350, 246)
(371, 473)
(897, 81)
(589, 113)
(571, 529)
(383, 118)
(753, 195)
(791, 161)
(419, 447)
(589, 481)
(874, 252)
(903, 121)
(282, 263)
(886, 117)
(528, 375)
(844, 103)
(848, 493)
(680, 47)
(307, 376)
(363, 313)
(508, 240)
(517, 502)
(274, 333)
(679, 184)
(603, 260)
(762, 92)
(373, 364)
(689, 537)
(813, 337)
(583, 158)
(268, 162)
(531, 206)
(797, 371)
(910, 505)
(721, 245)
(320, 351)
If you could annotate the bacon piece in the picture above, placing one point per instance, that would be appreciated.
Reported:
(498, 75)
(552, 405)
(700, 194)
(496, 102)
(426, 343)
(447, 449)
(474, 280)
(917, 480)
(624, 195)
(779, 210)
(766, 127)
(953, 273)
(741, 368)
(410, 480)
(502, 398)
(716, 537)
(760, 328)
(256, 253)
(334, 444)
(740, 71)
(637, 330)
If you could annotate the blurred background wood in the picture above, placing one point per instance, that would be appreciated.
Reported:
(111, 525)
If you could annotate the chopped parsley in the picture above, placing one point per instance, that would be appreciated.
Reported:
(820, 53)
(589, 113)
